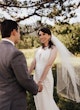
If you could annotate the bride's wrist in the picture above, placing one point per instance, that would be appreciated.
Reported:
(40, 81)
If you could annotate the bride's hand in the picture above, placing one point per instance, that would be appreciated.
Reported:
(40, 87)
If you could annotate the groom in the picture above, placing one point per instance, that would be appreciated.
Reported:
(14, 76)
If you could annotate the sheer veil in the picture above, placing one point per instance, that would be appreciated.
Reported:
(68, 77)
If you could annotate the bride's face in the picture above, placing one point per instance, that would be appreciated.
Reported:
(44, 38)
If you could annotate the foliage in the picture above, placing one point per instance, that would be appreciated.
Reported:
(69, 35)
(48, 9)
(30, 102)
(0, 37)
(28, 42)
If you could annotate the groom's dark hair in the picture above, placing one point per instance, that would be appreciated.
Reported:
(7, 27)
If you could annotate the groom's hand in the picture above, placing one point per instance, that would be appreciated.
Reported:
(40, 87)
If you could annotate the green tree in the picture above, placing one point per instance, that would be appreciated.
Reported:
(49, 9)
(69, 35)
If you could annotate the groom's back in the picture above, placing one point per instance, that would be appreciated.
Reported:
(8, 82)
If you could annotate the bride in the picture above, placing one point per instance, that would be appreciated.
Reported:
(43, 60)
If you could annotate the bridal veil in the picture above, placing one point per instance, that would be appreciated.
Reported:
(68, 73)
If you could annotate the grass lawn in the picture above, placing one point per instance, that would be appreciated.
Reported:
(29, 54)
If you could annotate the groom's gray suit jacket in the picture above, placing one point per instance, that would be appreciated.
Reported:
(14, 78)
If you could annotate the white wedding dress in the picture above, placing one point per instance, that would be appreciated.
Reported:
(44, 100)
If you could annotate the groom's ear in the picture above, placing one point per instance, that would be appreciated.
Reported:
(13, 33)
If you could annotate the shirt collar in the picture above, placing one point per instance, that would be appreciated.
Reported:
(4, 39)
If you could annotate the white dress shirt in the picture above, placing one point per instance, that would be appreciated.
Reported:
(4, 39)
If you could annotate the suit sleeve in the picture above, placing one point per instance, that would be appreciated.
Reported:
(19, 67)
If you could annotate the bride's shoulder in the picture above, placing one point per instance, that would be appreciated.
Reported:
(37, 49)
(54, 47)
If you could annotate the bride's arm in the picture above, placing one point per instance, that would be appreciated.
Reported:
(32, 66)
(49, 64)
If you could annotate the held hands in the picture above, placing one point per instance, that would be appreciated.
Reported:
(40, 86)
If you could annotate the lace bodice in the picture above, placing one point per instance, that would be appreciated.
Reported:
(42, 56)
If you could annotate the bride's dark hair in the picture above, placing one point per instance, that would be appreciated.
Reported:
(46, 30)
